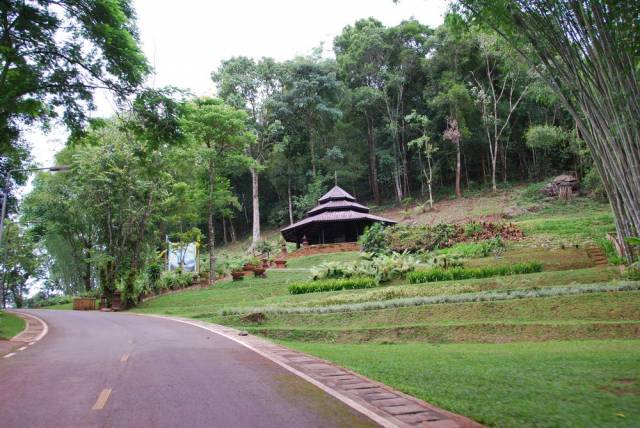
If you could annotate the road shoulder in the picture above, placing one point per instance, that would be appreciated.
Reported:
(381, 403)
(34, 331)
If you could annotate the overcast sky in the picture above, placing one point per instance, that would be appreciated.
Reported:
(186, 40)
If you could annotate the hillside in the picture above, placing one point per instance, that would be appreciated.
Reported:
(462, 344)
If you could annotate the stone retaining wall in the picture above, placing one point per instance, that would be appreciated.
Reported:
(324, 248)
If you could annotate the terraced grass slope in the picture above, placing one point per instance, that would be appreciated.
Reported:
(555, 348)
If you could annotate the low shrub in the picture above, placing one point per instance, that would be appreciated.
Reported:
(458, 273)
(415, 238)
(382, 267)
(610, 251)
(41, 302)
(475, 249)
(373, 240)
(633, 272)
(472, 229)
(175, 280)
(332, 285)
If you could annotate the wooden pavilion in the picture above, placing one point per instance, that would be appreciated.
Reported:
(336, 218)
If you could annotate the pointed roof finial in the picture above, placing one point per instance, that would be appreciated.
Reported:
(335, 173)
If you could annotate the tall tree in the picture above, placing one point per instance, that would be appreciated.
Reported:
(389, 62)
(53, 55)
(424, 145)
(19, 262)
(311, 90)
(220, 132)
(247, 84)
(498, 91)
(591, 53)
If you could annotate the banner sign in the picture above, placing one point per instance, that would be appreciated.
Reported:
(182, 256)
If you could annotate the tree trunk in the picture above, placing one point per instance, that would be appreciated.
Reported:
(396, 181)
(256, 208)
(232, 229)
(224, 231)
(429, 180)
(312, 148)
(494, 162)
(211, 229)
(86, 278)
(373, 168)
(289, 197)
(458, 171)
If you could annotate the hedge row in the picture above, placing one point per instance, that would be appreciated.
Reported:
(457, 273)
(332, 285)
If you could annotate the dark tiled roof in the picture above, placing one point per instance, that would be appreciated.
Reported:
(333, 216)
(337, 206)
(337, 193)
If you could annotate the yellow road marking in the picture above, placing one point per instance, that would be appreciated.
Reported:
(102, 399)
(124, 358)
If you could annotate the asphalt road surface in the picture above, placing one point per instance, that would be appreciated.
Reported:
(123, 370)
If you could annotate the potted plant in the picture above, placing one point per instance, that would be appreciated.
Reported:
(259, 272)
(236, 268)
(281, 263)
(251, 263)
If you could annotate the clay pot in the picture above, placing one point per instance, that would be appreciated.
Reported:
(249, 267)
(281, 264)
(237, 276)
(259, 272)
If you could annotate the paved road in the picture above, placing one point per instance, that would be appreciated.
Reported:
(159, 373)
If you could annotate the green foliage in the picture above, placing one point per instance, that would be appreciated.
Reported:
(610, 251)
(332, 285)
(19, 262)
(175, 280)
(475, 249)
(53, 54)
(632, 272)
(266, 248)
(153, 272)
(417, 238)
(532, 192)
(546, 137)
(382, 267)
(373, 240)
(472, 228)
(592, 183)
(458, 273)
(41, 302)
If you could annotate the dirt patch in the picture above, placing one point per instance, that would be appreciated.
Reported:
(255, 318)
(622, 387)
(481, 208)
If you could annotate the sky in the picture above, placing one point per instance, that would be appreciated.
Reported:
(185, 41)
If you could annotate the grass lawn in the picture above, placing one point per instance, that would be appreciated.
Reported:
(10, 325)
(552, 384)
(545, 358)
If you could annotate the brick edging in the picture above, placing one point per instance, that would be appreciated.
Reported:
(34, 330)
(381, 403)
